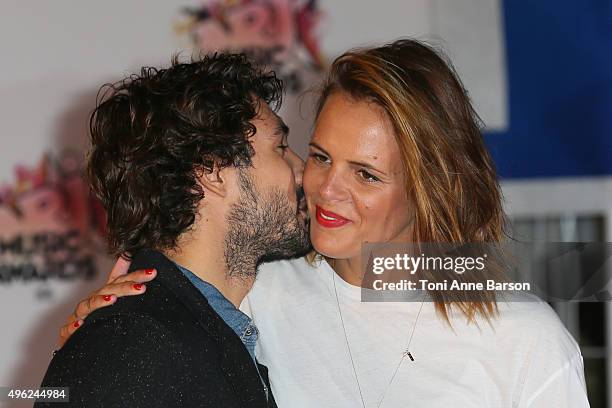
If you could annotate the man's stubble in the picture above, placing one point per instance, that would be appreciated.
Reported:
(262, 227)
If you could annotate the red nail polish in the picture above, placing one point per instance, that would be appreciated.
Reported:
(149, 271)
(137, 286)
(107, 297)
(76, 324)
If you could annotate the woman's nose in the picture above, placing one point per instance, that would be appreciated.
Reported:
(332, 187)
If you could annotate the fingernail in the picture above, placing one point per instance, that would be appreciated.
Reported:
(137, 286)
(107, 297)
(76, 324)
(149, 271)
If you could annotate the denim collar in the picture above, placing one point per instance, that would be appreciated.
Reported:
(239, 322)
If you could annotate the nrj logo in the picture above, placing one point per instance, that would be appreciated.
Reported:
(277, 33)
(51, 225)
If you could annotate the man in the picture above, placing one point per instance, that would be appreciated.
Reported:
(193, 168)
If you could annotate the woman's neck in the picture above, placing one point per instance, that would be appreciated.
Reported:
(350, 269)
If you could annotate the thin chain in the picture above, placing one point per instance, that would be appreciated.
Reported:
(404, 354)
(346, 339)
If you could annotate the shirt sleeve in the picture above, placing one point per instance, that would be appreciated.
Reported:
(561, 387)
(552, 374)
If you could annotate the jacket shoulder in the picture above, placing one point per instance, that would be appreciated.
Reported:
(119, 360)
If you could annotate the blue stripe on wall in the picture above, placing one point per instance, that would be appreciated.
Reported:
(559, 56)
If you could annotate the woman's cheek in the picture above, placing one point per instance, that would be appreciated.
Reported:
(374, 217)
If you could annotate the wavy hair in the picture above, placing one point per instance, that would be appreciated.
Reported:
(154, 132)
(450, 176)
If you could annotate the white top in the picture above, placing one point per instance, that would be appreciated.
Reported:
(528, 359)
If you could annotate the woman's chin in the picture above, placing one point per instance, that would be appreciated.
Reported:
(332, 249)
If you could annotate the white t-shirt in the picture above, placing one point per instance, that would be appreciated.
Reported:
(527, 360)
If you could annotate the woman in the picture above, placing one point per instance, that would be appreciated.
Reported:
(396, 156)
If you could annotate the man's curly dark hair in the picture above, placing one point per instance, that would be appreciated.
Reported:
(153, 133)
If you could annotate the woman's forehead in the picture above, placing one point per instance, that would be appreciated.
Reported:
(353, 125)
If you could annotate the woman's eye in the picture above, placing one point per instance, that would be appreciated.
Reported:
(367, 176)
(319, 158)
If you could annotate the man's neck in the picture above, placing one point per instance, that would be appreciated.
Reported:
(205, 258)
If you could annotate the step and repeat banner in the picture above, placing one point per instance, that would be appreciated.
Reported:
(56, 55)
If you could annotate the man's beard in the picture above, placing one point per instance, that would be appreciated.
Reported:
(262, 228)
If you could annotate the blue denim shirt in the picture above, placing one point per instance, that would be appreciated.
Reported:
(239, 322)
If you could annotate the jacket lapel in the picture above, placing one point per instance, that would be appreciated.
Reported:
(263, 371)
(235, 360)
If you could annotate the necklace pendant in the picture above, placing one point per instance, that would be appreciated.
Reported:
(407, 353)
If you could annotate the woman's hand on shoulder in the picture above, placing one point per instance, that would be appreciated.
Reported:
(119, 283)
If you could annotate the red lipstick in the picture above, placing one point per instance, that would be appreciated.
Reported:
(329, 219)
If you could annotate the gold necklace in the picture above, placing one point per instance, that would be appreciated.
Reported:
(405, 353)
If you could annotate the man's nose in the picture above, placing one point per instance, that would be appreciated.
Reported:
(297, 165)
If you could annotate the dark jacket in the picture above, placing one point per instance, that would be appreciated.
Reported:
(166, 348)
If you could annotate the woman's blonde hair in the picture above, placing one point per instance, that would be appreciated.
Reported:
(450, 176)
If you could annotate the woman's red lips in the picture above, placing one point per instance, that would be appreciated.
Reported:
(329, 219)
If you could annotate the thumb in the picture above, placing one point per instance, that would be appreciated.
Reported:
(121, 268)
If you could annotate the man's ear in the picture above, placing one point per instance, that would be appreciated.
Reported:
(214, 180)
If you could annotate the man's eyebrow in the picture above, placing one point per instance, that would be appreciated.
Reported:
(282, 129)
